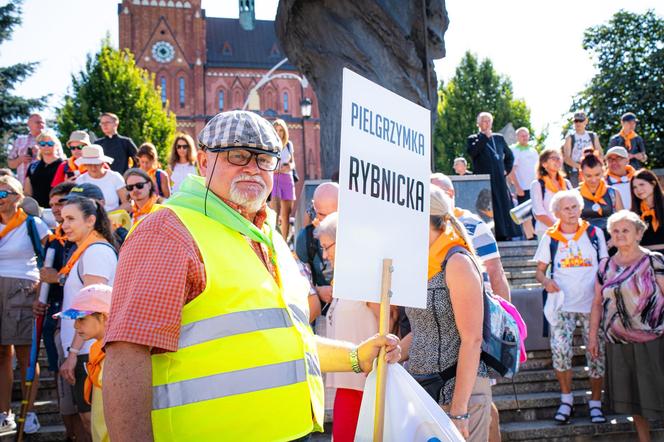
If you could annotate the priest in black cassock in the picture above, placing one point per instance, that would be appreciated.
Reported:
(491, 155)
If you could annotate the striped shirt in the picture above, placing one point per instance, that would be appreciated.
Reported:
(484, 242)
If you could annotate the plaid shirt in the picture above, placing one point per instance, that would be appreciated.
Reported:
(149, 292)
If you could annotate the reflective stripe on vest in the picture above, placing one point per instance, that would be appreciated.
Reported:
(228, 384)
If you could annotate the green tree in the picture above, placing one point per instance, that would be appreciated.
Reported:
(111, 82)
(628, 52)
(475, 87)
(14, 109)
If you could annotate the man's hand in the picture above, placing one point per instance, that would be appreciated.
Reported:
(67, 368)
(368, 350)
(49, 275)
(550, 285)
(39, 308)
(27, 159)
(324, 293)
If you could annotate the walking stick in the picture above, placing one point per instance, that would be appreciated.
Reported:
(34, 349)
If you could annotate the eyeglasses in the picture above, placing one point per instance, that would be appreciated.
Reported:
(139, 186)
(182, 146)
(5, 193)
(327, 247)
(76, 147)
(241, 157)
(579, 121)
(46, 143)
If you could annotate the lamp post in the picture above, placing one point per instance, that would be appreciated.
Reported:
(305, 109)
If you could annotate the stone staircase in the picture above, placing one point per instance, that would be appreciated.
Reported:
(517, 259)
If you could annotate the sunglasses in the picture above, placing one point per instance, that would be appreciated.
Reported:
(182, 146)
(76, 147)
(5, 193)
(139, 186)
(46, 143)
(579, 121)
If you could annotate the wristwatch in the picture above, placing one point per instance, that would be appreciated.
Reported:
(62, 279)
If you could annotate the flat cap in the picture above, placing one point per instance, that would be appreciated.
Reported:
(240, 129)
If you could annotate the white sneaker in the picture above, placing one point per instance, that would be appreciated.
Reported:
(7, 422)
(31, 423)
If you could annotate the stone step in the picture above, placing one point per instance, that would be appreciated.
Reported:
(47, 433)
(619, 428)
(47, 411)
(512, 275)
(47, 389)
(541, 359)
(545, 403)
(539, 381)
(515, 261)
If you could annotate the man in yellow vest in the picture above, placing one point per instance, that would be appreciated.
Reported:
(208, 337)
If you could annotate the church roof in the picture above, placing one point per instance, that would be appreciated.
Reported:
(228, 45)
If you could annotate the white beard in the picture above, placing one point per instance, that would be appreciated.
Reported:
(247, 200)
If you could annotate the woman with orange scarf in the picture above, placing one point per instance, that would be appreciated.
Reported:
(549, 181)
(648, 203)
(599, 200)
(149, 162)
(85, 223)
(142, 193)
(448, 332)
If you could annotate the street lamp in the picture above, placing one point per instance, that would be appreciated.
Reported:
(305, 107)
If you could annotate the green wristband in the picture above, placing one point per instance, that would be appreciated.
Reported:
(355, 361)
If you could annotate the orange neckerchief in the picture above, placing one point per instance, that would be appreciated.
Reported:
(628, 138)
(93, 237)
(630, 173)
(598, 196)
(458, 213)
(137, 212)
(549, 184)
(16, 220)
(71, 162)
(96, 357)
(555, 233)
(647, 211)
(440, 247)
(58, 235)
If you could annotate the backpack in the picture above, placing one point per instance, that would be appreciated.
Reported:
(592, 140)
(79, 268)
(500, 333)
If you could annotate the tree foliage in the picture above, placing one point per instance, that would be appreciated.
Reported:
(628, 52)
(14, 109)
(475, 87)
(111, 82)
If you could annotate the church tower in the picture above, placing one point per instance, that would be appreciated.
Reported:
(167, 37)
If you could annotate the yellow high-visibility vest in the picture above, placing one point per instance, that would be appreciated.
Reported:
(246, 366)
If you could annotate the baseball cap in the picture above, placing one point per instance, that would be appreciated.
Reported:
(95, 298)
(580, 116)
(81, 136)
(629, 116)
(240, 129)
(84, 190)
(617, 150)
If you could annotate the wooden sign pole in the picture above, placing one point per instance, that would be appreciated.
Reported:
(383, 329)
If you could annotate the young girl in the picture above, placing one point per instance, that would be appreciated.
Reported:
(90, 310)
(549, 181)
(283, 192)
(648, 203)
(182, 161)
(147, 157)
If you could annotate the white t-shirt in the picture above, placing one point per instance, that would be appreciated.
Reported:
(109, 184)
(581, 141)
(98, 260)
(17, 256)
(575, 268)
(622, 188)
(180, 172)
(351, 321)
(525, 162)
(541, 204)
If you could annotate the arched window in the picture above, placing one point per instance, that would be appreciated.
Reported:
(286, 102)
(221, 101)
(182, 92)
(163, 89)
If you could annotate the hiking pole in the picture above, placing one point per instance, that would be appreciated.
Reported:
(34, 349)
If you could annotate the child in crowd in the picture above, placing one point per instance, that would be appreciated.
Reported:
(90, 310)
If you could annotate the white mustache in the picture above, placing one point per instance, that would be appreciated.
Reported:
(244, 177)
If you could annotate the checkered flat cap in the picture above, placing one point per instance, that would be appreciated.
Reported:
(240, 129)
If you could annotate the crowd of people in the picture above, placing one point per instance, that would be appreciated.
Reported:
(205, 307)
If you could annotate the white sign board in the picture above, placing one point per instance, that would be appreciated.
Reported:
(384, 170)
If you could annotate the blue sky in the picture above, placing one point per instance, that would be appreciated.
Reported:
(536, 43)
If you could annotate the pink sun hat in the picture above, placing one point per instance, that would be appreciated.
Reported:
(95, 298)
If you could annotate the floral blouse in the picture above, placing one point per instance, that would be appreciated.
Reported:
(633, 303)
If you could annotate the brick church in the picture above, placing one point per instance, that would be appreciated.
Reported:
(205, 65)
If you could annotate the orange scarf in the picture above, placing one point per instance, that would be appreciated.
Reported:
(438, 250)
(71, 162)
(93, 237)
(58, 235)
(549, 183)
(597, 197)
(647, 211)
(619, 179)
(458, 213)
(628, 138)
(16, 220)
(137, 213)
(555, 233)
(94, 366)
